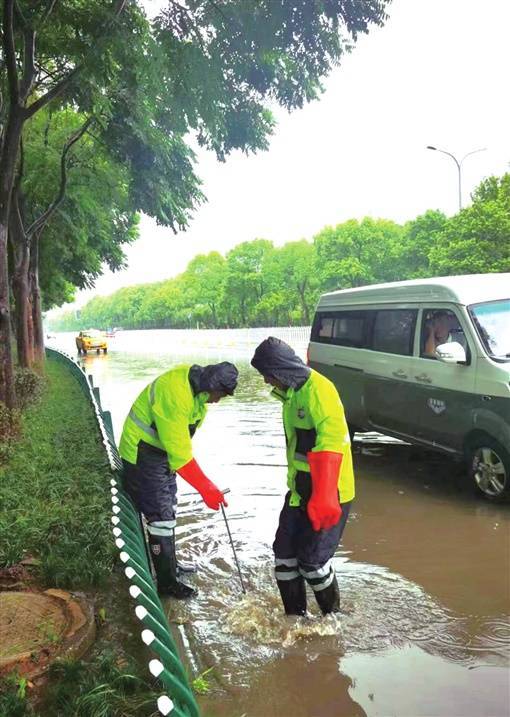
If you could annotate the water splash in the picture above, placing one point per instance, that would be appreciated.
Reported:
(260, 618)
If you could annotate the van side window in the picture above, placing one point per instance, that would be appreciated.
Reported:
(341, 328)
(439, 326)
(393, 331)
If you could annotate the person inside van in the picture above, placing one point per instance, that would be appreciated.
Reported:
(320, 478)
(438, 332)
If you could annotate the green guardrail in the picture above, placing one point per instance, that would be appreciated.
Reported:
(129, 536)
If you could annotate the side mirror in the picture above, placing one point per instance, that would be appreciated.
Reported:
(451, 353)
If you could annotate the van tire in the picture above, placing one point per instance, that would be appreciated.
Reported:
(489, 469)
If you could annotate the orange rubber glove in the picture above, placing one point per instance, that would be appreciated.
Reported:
(193, 474)
(323, 507)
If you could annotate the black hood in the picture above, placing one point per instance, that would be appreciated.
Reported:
(215, 377)
(276, 359)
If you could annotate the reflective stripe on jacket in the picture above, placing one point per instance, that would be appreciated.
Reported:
(165, 415)
(314, 420)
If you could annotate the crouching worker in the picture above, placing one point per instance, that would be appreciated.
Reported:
(156, 444)
(320, 478)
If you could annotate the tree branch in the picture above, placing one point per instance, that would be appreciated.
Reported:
(63, 84)
(19, 15)
(10, 50)
(28, 64)
(39, 223)
(51, 94)
(47, 12)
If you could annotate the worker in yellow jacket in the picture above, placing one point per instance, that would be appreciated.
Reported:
(156, 444)
(320, 478)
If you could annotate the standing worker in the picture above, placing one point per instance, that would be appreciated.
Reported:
(156, 443)
(320, 478)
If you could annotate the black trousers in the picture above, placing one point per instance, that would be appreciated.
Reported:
(151, 484)
(299, 550)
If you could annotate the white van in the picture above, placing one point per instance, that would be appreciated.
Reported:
(426, 361)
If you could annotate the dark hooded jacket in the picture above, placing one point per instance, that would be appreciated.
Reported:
(215, 377)
(276, 359)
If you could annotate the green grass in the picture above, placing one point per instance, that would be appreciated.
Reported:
(54, 491)
(55, 508)
(96, 688)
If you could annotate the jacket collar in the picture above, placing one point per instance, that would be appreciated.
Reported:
(282, 395)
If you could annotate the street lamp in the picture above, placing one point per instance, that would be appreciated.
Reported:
(459, 165)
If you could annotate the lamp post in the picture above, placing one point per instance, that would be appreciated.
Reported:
(459, 165)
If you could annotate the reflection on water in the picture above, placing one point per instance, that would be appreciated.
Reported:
(423, 568)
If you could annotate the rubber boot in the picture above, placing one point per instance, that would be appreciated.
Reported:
(293, 595)
(165, 564)
(329, 598)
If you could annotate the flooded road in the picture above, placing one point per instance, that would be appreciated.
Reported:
(423, 568)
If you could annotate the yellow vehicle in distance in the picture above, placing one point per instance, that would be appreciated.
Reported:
(91, 340)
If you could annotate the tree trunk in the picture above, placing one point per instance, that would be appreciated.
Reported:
(8, 157)
(21, 296)
(304, 305)
(39, 353)
(20, 286)
(6, 367)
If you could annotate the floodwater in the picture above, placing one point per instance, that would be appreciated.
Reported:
(423, 568)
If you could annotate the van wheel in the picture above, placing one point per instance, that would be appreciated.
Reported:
(105, 351)
(489, 469)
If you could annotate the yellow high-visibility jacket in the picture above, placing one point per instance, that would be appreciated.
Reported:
(314, 420)
(165, 415)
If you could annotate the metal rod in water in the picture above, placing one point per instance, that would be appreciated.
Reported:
(232, 544)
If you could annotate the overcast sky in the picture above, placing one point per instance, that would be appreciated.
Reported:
(437, 73)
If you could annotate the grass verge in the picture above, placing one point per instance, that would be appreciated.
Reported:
(55, 507)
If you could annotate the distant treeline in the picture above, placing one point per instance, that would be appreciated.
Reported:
(258, 284)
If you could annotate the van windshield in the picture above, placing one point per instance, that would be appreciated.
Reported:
(492, 321)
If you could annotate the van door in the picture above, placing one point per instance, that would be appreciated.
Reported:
(388, 369)
(336, 350)
(442, 395)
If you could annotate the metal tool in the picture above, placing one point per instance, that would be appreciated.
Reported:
(232, 543)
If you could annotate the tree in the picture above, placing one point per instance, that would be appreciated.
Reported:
(73, 241)
(292, 272)
(245, 280)
(477, 239)
(201, 67)
(204, 281)
(358, 253)
(420, 237)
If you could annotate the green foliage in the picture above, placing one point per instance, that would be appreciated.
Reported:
(97, 216)
(258, 284)
(13, 700)
(28, 385)
(10, 427)
(54, 505)
(357, 253)
(477, 239)
(245, 280)
(201, 685)
(101, 687)
(204, 72)
(421, 236)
